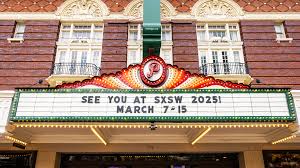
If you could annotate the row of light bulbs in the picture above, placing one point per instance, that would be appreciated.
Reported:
(10, 138)
(209, 127)
(284, 139)
(148, 125)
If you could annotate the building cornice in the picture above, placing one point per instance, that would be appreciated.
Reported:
(120, 16)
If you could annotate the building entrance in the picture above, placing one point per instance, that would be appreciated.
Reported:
(224, 160)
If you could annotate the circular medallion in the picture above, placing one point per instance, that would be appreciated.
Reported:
(153, 71)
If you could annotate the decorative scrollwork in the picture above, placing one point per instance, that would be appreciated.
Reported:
(135, 9)
(225, 8)
(91, 8)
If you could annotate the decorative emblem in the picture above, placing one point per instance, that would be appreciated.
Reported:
(217, 8)
(83, 8)
(153, 71)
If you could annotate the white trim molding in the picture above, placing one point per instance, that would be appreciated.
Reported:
(216, 9)
(134, 10)
(5, 102)
(296, 97)
(82, 9)
(178, 16)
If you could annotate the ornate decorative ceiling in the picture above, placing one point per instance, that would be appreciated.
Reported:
(180, 5)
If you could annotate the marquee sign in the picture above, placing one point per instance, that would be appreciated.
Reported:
(153, 91)
(190, 105)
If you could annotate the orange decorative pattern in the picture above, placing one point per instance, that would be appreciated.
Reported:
(269, 5)
(29, 5)
(248, 5)
(130, 79)
(116, 5)
(180, 5)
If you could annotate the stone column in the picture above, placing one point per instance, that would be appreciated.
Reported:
(252, 159)
(46, 159)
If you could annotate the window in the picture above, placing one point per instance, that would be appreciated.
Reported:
(236, 56)
(220, 61)
(234, 33)
(78, 62)
(216, 58)
(218, 32)
(135, 32)
(135, 45)
(166, 33)
(203, 62)
(81, 33)
(279, 29)
(134, 57)
(79, 49)
(19, 31)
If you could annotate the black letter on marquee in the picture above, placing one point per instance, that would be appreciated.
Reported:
(97, 99)
(120, 109)
(90, 99)
(178, 99)
(150, 109)
(128, 110)
(84, 99)
(156, 99)
(123, 99)
(143, 99)
(110, 98)
(137, 109)
(136, 99)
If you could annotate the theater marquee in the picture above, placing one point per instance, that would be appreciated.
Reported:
(153, 91)
(152, 105)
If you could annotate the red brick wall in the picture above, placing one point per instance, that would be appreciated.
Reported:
(114, 48)
(23, 64)
(274, 64)
(185, 50)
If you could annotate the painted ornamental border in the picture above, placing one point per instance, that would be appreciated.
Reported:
(290, 118)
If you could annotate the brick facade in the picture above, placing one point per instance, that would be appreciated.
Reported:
(273, 64)
(185, 51)
(24, 64)
(114, 49)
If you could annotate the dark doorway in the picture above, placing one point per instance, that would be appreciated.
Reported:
(282, 159)
(220, 160)
(17, 159)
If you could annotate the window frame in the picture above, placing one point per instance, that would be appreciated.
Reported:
(73, 29)
(231, 59)
(18, 32)
(90, 45)
(15, 37)
(228, 28)
(137, 44)
(231, 47)
(281, 34)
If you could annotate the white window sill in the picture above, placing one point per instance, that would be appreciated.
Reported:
(20, 40)
(235, 43)
(284, 39)
(60, 43)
